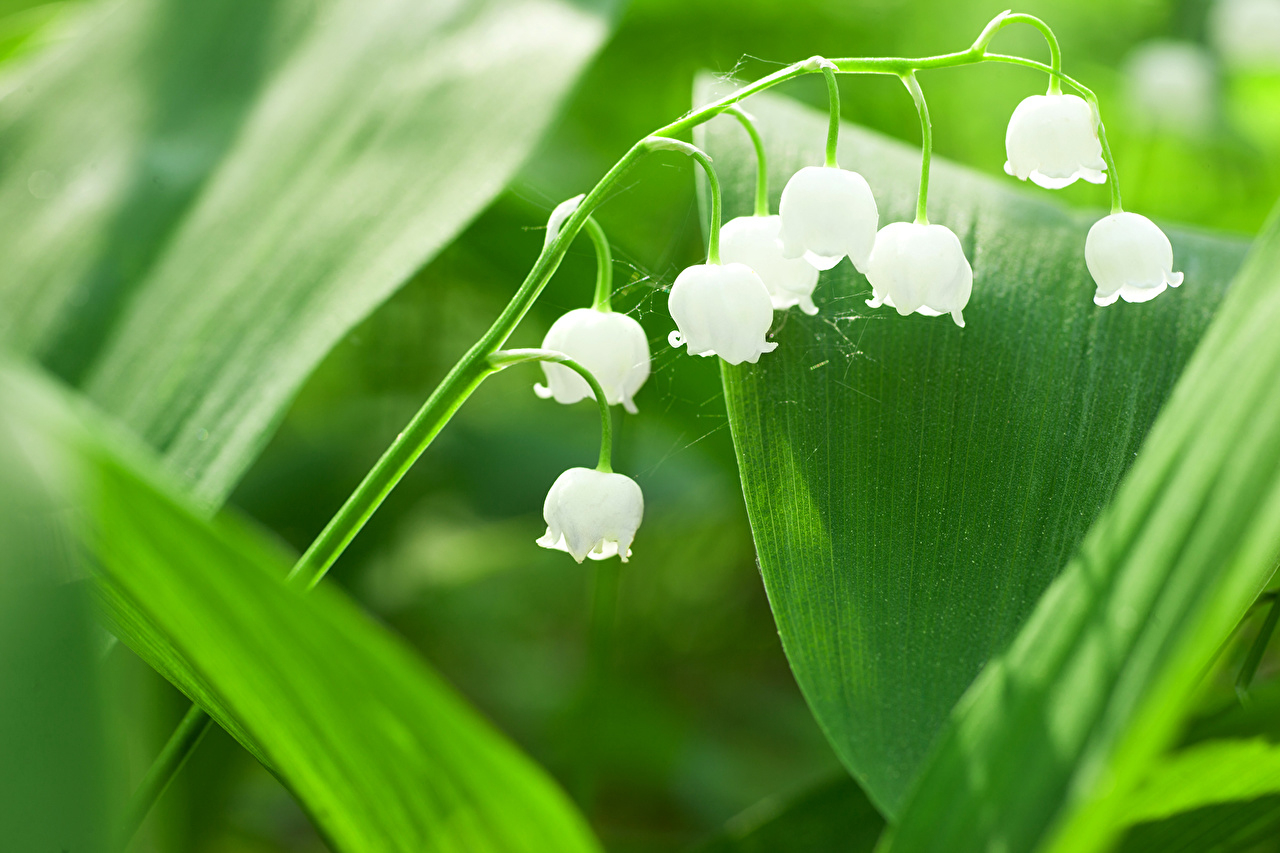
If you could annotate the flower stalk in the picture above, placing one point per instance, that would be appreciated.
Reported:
(926, 145)
(506, 358)
(603, 300)
(762, 162)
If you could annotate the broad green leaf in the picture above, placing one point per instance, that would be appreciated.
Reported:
(835, 815)
(914, 487)
(1206, 774)
(196, 203)
(1050, 742)
(381, 753)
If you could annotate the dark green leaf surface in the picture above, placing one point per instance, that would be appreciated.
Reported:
(1046, 749)
(914, 487)
(196, 202)
(833, 816)
(381, 753)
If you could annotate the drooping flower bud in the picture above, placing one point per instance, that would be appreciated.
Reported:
(827, 214)
(753, 241)
(1053, 140)
(721, 309)
(1130, 258)
(592, 514)
(920, 268)
(613, 347)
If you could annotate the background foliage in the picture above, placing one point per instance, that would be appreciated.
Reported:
(700, 719)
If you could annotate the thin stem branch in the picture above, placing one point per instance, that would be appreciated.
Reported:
(660, 143)
(1055, 52)
(926, 146)
(603, 300)
(506, 358)
(762, 163)
(172, 756)
(833, 112)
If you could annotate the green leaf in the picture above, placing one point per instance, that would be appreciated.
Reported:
(196, 203)
(914, 487)
(1206, 774)
(835, 815)
(1048, 745)
(381, 753)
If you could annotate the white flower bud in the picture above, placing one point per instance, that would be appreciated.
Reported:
(559, 216)
(612, 346)
(753, 241)
(1053, 140)
(592, 514)
(1130, 258)
(721, 310)
(828, 213)
(920, 268)
(1247, 33)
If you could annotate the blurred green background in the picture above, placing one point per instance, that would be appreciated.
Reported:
(699, 719)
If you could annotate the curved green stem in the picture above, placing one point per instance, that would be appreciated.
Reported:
(506, 358)
(172, 756)
(1113, 179)
(603, 300)
(926, 146)
(762, 163)
(833, 111)
(1003, 20)
(659, 143)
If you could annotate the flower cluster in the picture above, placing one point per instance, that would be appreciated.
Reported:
(768, 262)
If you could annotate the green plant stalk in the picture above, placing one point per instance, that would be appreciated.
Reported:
(833, 110)
(603, 300)
(1003, 20)
(506, 358)
(470, 370)
(663, 143)
(177, 749)
(926, 146)
(762, 160)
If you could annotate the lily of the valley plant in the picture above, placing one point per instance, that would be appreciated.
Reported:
(756, 265)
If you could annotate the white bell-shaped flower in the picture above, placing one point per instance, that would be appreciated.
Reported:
(753, 241)
(612, 346)
(592, 513)
(1130, 258)
(721, 309)
(827, 214)
(1053, 140)
(920, 268)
